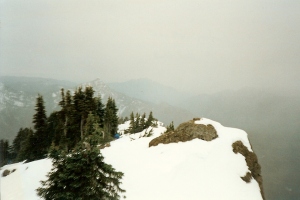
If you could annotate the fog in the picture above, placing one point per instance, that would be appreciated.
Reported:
(194, 46)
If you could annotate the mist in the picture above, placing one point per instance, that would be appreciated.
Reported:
(193, 46)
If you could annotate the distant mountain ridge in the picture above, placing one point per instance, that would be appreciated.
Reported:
(18, 96)
(150, 91)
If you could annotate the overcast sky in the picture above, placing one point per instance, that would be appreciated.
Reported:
(193, 45)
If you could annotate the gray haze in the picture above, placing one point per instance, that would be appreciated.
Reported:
(193, 45)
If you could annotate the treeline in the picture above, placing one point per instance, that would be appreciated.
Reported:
(139, 122)
(62, 130)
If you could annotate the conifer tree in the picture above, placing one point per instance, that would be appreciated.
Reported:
(39, 143)
(78, 116)
(143, 122)
(132, 124)
(69, 127)
(55, 128)
(170, 127)
(19, 142)
(100, 111)
(137, 123)
(4, 152)
(111, 117)
(25, 142)
(82, 174)
(149, 121)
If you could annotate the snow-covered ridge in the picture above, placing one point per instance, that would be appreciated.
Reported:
(191, 170)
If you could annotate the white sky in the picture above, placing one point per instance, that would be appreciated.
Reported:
(192, 45)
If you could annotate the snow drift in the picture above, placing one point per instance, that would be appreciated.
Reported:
(195, 169)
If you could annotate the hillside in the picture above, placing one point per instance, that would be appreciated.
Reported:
(195, 169)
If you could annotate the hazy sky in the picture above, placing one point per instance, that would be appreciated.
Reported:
(193, 45)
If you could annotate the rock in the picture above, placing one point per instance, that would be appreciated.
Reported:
(252, 163)
(185, 132)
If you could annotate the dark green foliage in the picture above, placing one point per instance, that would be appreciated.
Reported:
(4, 152)
(54, 128)
(25, 144)
(132, 124)
(37, 143)
(111, 117)
(31, 145)
(82, 174)
(19, 144)
(143, 122)
(66, 128)
(139, 123)
(100, 111)
(170, 127)
(150, 120)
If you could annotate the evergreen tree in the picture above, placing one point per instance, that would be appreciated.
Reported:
(68, 138)
(84, 103)
(143, 122)
(24, 145)
(137, 123)
(4, 152)
(39, 143)
(19, 142)
(79, 113)
(111, 117)
(55, 128)
(149, 121)
(170, 127)
(82, 174)
(100, 111)
(132, 124)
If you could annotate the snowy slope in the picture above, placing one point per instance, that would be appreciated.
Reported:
(195, 169)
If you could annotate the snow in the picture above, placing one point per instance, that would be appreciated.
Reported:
(190, 170)
(22, 183)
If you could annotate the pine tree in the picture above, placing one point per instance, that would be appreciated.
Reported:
(82, 174)
(25, 143)
(149, 121)
(132, 124)
(143, 122)
(170, 127)
(111, 117)
(68, 139)
(39, 143)
(19, 142)
(55, 127)
(79, 113)
(137, 123)
(4, 152)
(84, 103)
(100, 111)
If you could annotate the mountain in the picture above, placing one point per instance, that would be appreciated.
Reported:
(150, 91)
(194, 169)
(18, 98)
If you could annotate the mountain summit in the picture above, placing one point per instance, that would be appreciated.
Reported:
(209, 168)
(201, 159)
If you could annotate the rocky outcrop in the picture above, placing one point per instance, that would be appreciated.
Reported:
(185, 132)
(252, 163)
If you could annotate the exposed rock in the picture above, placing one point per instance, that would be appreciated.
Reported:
(104, 145)
(252, 163)
(185, 132)
(6, 173)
